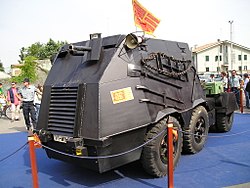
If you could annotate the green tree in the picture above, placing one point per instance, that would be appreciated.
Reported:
(53, 47)
(37, 51)
(28, 70)
(22, 55)
(41, 51)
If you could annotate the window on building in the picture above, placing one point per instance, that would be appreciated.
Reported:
(240, 68)
(220, 48)
(226, 49)
(218, 69)
(239, 57)
(207, 58)
(245, 57)
(226, 60)
(207, 69)
(245, 67)
(216, 58)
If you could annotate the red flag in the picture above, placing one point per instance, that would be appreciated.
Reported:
(144, 19)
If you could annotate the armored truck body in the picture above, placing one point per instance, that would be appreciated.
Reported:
(107, 102)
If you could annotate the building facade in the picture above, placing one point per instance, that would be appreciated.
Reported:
(221, 56)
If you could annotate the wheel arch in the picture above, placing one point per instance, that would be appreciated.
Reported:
(184, 116)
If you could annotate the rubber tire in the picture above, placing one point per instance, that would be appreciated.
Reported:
(151, 159)
(224, 123)
(8, 112)
(192, 144)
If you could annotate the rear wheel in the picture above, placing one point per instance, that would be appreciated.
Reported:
(195, 134)
(224, 123)
(154, 155)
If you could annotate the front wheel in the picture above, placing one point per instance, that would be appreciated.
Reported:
(195, 134)
(154, 155)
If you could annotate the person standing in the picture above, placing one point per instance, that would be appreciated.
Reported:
(14, 100)
(246, 80)
(234, 82)
(211, 78)
(224, 80)
(37, 99)
(27, 96)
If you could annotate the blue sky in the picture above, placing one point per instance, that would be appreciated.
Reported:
(24, 22)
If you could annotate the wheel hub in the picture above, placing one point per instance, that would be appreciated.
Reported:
(164, 148)
(199, 131)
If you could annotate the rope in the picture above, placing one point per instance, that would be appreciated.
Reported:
(119, 154)
(3, 159)
(102, 157)
(188, 133)
(123, 153)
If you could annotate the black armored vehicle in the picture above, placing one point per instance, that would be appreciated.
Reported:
(107, 102)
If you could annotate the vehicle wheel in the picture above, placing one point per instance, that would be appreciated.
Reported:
(154, 154)
(8, 112)
(195, 134)
(224, 123)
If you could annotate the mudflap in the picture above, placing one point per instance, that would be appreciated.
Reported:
(225, 103)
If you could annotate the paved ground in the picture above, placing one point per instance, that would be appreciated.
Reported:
(6, 126)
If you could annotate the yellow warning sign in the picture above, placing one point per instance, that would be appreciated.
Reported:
(122, 95)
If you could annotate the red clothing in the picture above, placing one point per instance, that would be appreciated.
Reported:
(16, 100)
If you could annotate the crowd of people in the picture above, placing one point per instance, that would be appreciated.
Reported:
(27, 97)
(234, 83)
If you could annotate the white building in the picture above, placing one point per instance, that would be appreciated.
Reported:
(221, 56)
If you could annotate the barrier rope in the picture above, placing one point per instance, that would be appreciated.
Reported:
(122, 153)
(188, 133)
(102, 157)
(8, 156)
